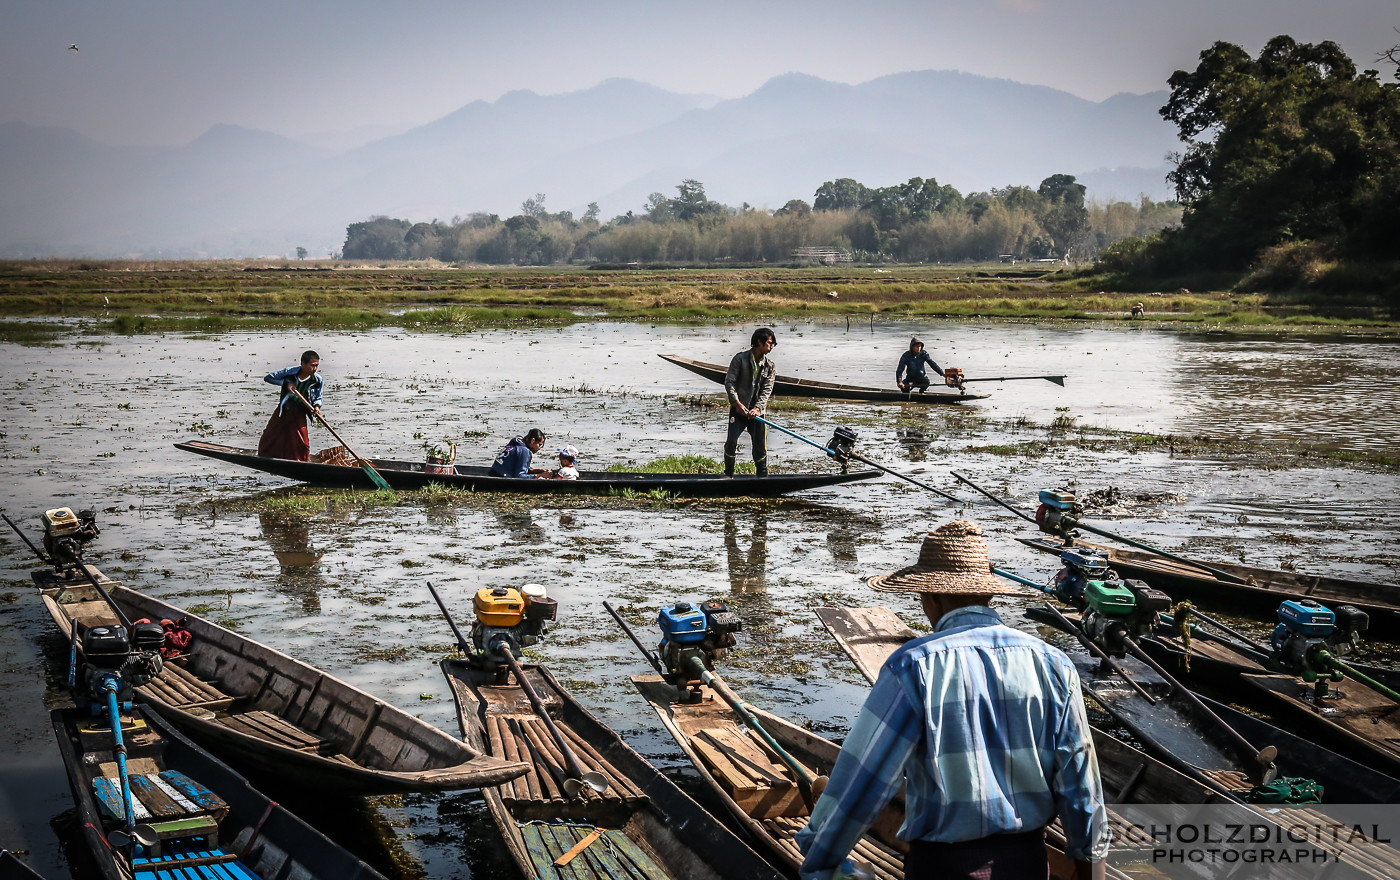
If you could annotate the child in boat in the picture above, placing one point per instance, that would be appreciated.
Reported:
(568, 463)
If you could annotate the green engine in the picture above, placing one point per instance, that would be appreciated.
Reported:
(1119, 610)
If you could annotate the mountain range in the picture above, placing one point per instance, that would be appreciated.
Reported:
(235, 192)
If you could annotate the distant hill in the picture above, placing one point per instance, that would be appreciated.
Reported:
(238, 192)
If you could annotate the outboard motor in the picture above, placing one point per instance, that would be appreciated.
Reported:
(512, 618)
(703, 632)
(1059, 512)
(1082, 567)
(125, 660)
(842, 443)
(1305, 628)
(66, 536)
(1115, 610)
(953, 378)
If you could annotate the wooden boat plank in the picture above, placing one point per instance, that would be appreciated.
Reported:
(655, 831)
(410, 475)
(792, 386)
(867, 635)
(388, 749)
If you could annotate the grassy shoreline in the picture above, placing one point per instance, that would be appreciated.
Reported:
(125, 298)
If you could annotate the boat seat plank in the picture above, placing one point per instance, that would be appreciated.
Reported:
(179, 687)
(206, 799)
(155, 800)
(265, 725)
(108, 790)
(534, 745)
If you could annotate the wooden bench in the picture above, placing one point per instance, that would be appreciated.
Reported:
(174, 805)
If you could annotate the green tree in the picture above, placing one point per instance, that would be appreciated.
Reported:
(794, 208)
(1063, 215)
(843, 194)
(1294, 145)
(301, 253)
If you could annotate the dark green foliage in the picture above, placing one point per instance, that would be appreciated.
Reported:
(1295, 145)
(378, 238)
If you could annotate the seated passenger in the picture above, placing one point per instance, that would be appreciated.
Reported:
(568, 463)
(515, 458)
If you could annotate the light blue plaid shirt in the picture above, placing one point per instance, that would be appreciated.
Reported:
(985, 725)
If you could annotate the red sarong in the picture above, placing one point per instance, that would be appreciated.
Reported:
(285, 435)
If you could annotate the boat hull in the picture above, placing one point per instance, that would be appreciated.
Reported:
(286, 846)
(413, 475)
(789, 386)
(274, 715)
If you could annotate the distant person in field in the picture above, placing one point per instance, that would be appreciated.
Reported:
(914, 360)
(285, 435)
(749, 384)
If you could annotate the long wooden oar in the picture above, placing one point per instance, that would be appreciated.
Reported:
(1080, 524)
(362, 462)
(1058, 380)
(860, 458)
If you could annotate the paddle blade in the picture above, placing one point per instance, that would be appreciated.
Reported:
(374, 476)
(1058, 380)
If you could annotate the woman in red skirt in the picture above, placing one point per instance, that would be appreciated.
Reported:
(285, 435)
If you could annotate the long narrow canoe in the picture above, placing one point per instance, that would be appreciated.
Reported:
(1352, 718)
(414, 475)
(758, 789)
(13, 868)
(213, 824)
(277, 716)
(790, 386)
(869, 635)
(653, 829)
(1265, 590)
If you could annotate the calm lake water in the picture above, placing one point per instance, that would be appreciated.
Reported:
(90, 423)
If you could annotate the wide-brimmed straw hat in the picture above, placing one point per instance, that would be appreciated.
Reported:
(953, 559)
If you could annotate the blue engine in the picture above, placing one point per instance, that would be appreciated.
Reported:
(1305, 626)
(1081, 568)
(689, 632)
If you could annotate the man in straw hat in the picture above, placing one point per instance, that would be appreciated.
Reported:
(982, 723)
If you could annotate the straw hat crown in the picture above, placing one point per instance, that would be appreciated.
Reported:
(952, 559)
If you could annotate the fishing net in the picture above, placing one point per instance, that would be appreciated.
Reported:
(1285, 790)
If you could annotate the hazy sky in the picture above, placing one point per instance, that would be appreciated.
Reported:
(163, 71)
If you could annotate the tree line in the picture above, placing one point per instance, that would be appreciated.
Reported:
(912, 222)
(1291, 169)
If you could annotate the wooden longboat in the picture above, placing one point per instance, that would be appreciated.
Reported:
(274, 715)
(790, 386)
(1266, 589)
(869, 635)
(653, 829)
(416, 475)
(1353, 718)
(758, 789)
(212, 823)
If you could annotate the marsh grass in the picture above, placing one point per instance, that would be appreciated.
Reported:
(210, 297)
(680, 464)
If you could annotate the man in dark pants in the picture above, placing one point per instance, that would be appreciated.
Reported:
(914, 360)
(749, 384)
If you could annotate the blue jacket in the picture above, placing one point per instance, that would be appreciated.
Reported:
(279, 377)
(914, 363)
(513, 461)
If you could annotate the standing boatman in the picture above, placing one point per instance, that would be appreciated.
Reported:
(914, 360)
(285, 435)
(749, 384)
(984, 726)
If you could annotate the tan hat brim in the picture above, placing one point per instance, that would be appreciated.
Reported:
(916, 579)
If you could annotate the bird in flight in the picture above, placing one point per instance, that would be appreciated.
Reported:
(73, 46)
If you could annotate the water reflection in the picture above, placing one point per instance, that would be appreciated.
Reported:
(841, 542)
(746, 569)
(299, 562)
(520, 525)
